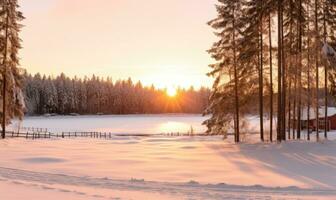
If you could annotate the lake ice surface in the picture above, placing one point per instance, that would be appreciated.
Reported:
(132, 124)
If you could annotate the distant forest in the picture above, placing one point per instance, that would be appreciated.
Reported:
(95, 95)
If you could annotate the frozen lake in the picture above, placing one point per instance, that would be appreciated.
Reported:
(132, 124)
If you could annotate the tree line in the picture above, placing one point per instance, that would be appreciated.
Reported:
(276, 56)
(95, 95)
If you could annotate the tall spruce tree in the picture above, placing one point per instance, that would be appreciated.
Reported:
(252, 55)
(226, 71)
(12, 98)
(329, 24)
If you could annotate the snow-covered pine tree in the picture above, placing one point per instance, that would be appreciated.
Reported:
(12, 97)
(50, 96)
(225, 51)
(329, 24)
(253, 49)
(83, 96)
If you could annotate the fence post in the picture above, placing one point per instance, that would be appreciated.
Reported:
(62, 134)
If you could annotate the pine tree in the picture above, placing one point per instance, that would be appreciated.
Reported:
(251, 55)
(12, 97)
(329, 24)
(225, 52)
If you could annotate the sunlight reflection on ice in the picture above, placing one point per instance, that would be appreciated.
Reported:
(127, 124)
(173, 126)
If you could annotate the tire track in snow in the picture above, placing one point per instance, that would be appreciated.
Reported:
(47, 187)
(191, 190)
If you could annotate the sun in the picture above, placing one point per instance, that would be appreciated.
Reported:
(171, 91)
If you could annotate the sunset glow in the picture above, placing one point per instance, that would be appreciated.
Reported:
(171, 91)
(167, 99)
(154, 41)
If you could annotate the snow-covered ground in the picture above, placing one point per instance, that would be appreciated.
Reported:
(144, 124)
(169, 168)
(165, 168)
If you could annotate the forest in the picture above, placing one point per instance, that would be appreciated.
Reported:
(274, 57)
(96, 95)
(275, 67)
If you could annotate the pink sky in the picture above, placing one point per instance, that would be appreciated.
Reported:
(155, 41)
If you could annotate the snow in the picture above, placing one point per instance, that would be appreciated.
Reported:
(135, 124)
(172, 167)
(331, 112)
(167, 168)
(328, 51)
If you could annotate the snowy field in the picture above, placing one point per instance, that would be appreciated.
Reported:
(166, 168)
(133, 124)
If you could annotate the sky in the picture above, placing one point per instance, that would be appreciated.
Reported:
(158, 42)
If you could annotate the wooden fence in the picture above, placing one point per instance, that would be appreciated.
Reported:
(34, 129)
(32, 135)
(41, 133)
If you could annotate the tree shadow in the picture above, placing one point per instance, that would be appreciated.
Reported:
(313, 164)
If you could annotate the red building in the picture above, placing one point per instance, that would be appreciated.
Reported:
(331, 123)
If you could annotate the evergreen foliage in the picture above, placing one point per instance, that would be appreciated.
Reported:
(12, 104)
(303, 27)
(64, 95)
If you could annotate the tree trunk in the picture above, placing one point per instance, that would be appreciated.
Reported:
(317, 70)
(261, 99)
(289, 108)
(284, 79)
(298, 133)
(4, 64)
(290, 84)
(279, 120)
(308, 85)
(295, 126)
(237, 139)
(325, 78)
(308, 76)
(271, 75)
